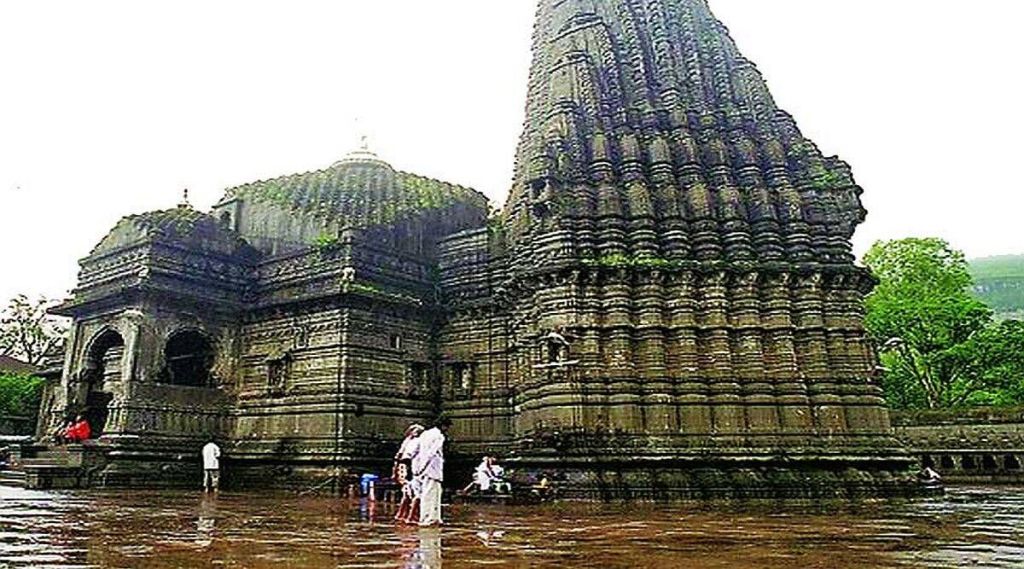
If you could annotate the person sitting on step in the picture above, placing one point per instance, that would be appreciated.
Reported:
(79, 431)
(488, 477)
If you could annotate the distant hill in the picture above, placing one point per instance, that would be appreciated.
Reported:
(999, 281)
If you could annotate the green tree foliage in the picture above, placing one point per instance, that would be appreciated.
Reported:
(938, 343)
(993, 360)
(20, 395)
(27, 332)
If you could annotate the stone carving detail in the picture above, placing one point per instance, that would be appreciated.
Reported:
(670, 283)
(348, 275)
(694, 241)
(278, 370)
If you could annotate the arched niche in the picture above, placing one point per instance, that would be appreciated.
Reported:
(188, 360)
(103, 360)
(103, 370)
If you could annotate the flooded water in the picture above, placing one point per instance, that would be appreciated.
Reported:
(979, 527)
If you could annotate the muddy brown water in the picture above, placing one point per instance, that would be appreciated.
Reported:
(973, 527)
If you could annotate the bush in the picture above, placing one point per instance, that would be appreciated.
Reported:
(20, 395)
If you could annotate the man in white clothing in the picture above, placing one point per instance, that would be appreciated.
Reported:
(211, 467)
(428, 467)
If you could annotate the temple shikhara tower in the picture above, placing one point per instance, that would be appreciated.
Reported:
(666, 306)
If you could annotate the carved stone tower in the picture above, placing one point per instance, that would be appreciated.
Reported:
(671, 306)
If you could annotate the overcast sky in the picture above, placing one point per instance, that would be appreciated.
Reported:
(109, 108)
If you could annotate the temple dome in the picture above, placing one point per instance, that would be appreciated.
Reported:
(181, 226)
(363, 156)
(361, 189)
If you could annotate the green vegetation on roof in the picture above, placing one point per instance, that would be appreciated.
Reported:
(177, 221)
(361, 193)
(178, 224)
(326, 243)
(819, 174)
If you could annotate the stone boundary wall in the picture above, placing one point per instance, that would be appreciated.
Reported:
(983, 445)
(16, 425)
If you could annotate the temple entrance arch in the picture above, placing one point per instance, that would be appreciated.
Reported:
(103, 370)
(188, 360)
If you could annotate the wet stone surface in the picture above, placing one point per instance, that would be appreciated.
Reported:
(980, 527)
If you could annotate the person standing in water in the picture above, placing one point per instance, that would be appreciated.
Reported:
(211, 467)
(428, 468)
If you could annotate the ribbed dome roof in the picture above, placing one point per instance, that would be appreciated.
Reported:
(181, 225)
(361, 189)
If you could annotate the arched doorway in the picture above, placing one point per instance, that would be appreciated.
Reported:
(103, 371)
(188, 357)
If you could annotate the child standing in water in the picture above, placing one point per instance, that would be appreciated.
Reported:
(408, 508)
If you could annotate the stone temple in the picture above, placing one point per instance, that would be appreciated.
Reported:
(666, 306)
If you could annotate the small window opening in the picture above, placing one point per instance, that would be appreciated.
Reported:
(189, 360)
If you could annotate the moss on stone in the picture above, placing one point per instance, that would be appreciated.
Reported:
(326, 243)
(619, 260)
(362, 193)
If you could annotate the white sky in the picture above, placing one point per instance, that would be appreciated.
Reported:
(112, 107)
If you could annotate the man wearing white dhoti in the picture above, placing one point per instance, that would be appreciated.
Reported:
(428, 467)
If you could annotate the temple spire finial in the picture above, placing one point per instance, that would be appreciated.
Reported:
(362, 153)
(363, 136)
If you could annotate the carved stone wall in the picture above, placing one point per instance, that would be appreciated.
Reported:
(975, 446)
(319, 351)
(673, 269)
(667, 305)
(475, 343)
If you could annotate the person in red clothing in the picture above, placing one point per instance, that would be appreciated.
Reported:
(79, 431)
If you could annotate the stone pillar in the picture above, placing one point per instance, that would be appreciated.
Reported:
(67, 393)
(132, 333)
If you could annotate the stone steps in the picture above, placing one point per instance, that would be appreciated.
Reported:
(61, 456)
(37, 463)
(53, 477)
(12, 478)
(55, 467)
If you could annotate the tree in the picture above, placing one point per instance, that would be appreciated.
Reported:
(20, 395)
(938, 344)
(27, 331)
(993, 360)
